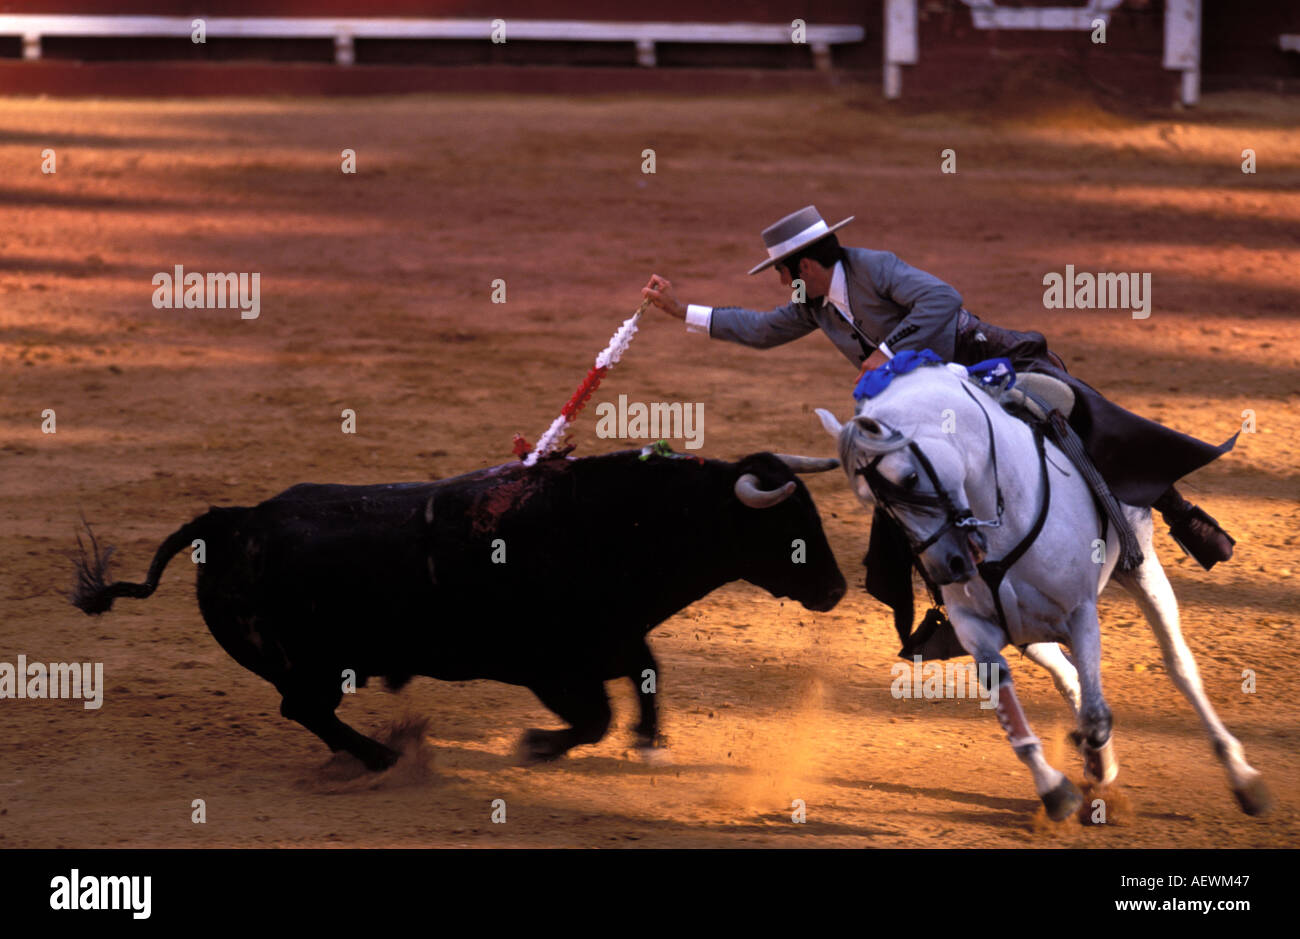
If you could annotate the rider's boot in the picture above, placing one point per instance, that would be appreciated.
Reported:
(1196, 532)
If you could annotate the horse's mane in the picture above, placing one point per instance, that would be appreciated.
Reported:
(894, 406)
(911, 404)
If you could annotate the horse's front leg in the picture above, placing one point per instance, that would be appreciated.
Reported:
(983, 640)
(1093, 736)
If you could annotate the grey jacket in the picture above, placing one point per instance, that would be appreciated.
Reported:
(890, 300)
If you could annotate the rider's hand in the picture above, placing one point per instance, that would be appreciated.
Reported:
(660, 292)
(873, 362)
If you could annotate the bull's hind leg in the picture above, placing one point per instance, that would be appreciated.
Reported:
(583, 703)
(1150, 587)
(308, 698)
(983, 641)
(312, 704)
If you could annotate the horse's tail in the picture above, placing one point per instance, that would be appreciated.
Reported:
(92, 594)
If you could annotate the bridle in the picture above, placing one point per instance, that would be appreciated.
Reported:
(890, 496)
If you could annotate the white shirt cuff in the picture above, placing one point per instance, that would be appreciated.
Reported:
(698, 318)
(889, 353)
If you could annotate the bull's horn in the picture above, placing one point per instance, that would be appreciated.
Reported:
(807, 464)
(748, 492)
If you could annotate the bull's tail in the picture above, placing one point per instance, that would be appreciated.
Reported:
(92, 594)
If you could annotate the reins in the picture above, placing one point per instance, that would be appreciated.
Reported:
(889, 495)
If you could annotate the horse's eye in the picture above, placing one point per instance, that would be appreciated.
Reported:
(911, 481)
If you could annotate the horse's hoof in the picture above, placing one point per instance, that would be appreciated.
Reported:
(1254, 797)
(1063, 801)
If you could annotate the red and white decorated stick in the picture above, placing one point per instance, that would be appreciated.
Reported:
(606, 360)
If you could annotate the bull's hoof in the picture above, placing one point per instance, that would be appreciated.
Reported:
(1254, 797)
(539, 746)
(653, 749)
(379, 759)
(1063, 801)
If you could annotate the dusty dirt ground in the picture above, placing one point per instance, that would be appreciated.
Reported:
(376, 296)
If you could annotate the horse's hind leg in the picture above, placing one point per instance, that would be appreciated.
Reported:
(1150, 587)
(1060, 796)
(1062, 670)
(1094, 729)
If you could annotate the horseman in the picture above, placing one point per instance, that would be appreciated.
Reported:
(872, 305)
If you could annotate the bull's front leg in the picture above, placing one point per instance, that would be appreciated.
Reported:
(581, 701)
(643, 672)
(983, 640)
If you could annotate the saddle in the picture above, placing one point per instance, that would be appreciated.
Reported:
(1039, 395)
(1048, 402)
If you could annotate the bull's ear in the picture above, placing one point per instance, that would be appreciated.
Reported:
(829, 421)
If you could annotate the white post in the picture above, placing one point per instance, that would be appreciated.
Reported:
(31, 46)
(344, 51)
(645, 53)
(821, 56)
(1183, 45)
(900, 43)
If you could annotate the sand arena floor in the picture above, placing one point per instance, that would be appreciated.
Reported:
(376, 297)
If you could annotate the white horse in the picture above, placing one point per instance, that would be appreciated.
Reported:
(965, 479)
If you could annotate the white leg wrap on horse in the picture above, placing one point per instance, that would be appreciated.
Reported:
(1099, 763)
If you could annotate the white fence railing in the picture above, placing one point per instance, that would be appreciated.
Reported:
(32, 27)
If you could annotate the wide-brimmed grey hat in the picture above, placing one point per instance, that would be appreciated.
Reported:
(797, 230)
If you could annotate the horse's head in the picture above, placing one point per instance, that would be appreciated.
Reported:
(918, 478)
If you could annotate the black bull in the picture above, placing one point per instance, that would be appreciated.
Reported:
(548, 577)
